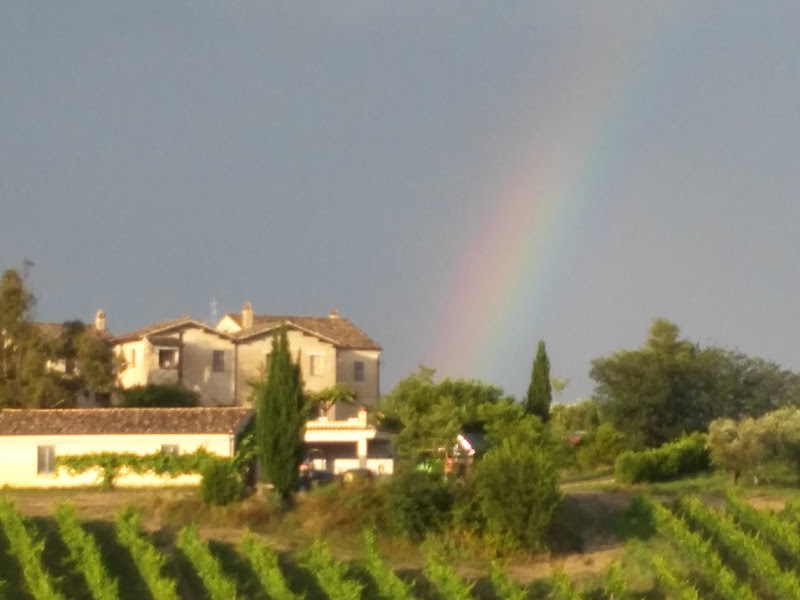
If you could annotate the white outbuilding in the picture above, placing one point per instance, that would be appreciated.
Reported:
(30, 440)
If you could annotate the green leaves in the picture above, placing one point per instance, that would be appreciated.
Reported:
(281, 410)
(540, 393)
(218, 585)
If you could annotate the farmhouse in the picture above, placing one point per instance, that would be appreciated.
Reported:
(30, 440)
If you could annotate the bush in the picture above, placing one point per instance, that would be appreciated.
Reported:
(420, 503)
(685, 456)
(517, 486)
(159, 396)
(222, 483)
(600, 447)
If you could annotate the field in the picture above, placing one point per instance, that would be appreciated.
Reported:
(143, 544)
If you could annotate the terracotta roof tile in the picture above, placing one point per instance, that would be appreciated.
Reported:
(338, 330)
(165, 327)
(89, 421)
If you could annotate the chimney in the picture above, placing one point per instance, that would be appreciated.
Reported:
(100, 320)
(334, 314)
(247, 316)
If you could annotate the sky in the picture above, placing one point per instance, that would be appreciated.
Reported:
(459, 178)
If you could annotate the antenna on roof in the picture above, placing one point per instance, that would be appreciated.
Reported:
(213, 310)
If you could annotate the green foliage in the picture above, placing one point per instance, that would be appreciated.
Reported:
(323, 400)
(149, 561)
(583, 415)
(110, 464)
(777, 532)
(388, 584)
(676, 587)
(540, 393)
(700, 552)
(447, 582)
(221, 483)
(264, 562)
(505, 587)
(749, 552)
(430, 415)
(600, 447)
(420, 503)
(25, 381)
(85, 554)
(671, 386)
(159, 396)
(28, 553)
(563, 587)
(218, 586)
(686, 456)
(517, 483)
(280, 418)
(331, 575)
(615, 586)
(736, 447)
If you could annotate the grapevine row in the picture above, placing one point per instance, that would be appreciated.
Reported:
(446, 581)
(775, 531)
(264, 561)
(28, 552)
(85, 554)
(700, 552)
(148, 559)
(389, 585)
(218, 585)
(748, 550)
(676, 588)
(563, 588)
(504, 586)
(330, 574)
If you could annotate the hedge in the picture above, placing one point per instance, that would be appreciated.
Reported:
(685, 456)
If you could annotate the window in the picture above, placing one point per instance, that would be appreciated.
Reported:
(267, 361)
(46, 460)
(217, 361)
(133, 357)
(170, 449)
(168, 359)
(315, 364)
(358, 370)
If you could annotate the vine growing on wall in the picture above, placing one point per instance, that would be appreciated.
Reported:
(110, 464)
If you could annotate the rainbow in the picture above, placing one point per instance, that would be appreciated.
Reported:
(498, 291)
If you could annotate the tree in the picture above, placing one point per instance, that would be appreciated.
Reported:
(517, 482)
(281, 410)
(540, 393)
(159, 396)
(655, 393)
(24, 378)
(671, 386)
(324, 400)
(737, 447)
(429, 415)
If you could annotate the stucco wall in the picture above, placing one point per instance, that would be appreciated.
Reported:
(18, 456)
(252, 356)
(215, 387)
(367, 391)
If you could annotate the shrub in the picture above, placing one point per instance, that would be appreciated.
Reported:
(159, 396)
(222, 483)
(600, 447)
(685, 456)
(518, 490)
(420, 503)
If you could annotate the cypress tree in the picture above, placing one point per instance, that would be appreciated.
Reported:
(540, 393)
(280, 418)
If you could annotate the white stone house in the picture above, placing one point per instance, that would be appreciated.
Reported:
(31, 440)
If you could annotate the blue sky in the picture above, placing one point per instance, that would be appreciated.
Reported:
(155, 156)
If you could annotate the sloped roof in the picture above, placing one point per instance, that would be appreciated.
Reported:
(162, 327)
(97, 421)
(339, 331)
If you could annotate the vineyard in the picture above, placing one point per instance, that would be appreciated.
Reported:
(729, 552)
